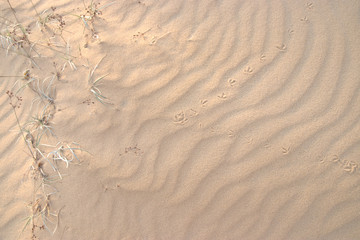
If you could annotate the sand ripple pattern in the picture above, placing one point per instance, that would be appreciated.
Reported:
(238, 120)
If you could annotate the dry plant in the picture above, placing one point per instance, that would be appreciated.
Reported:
(92, 12)
(14, 38)
(40, 123)
(27, 81)
(41, 210)
(68, 57)
(50, 21)
(95, 83)
(58, 73)
(44, 89)
(46, 159)
(32, 132)
(36, 209)
(65, 152)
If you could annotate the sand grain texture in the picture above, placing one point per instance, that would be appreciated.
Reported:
(229, 120)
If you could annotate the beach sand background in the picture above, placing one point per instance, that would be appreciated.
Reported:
(234, 119)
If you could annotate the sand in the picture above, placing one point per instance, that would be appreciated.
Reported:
(222, 120)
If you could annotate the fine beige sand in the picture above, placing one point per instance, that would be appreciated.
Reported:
(224, 119)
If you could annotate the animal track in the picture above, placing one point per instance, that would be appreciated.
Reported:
(282, 47)
(267, 145)
(248, 70)
(140, 36)
(285, 150)
(321, 159)
(193, 113)
(231, 81)
(348, 166)
(249, 140)
(222, 96)
(304, 19)
(262, 58)
(135, 150)
(309, 5)
(204, 102)
(180, 118)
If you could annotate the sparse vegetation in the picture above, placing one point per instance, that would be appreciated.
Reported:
(46, 159)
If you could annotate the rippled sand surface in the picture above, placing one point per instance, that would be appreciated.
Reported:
(228, 120)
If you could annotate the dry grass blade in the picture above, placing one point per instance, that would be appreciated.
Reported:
(45, 90)
(29, 81)
(14, 38)
(65, 153)
(95, 83)
(92, 11)
(68, 57)
(40, 123)
(55, 169)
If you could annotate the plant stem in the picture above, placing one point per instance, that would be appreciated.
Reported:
(22, 134)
